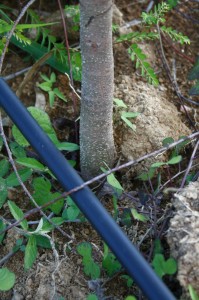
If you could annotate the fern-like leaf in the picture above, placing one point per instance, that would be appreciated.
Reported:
(175, 36)
(153, 17)
(137, 36)
(146, 70)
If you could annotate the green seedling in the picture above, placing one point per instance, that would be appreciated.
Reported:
(90, 267)
(47, 86)
(7, 279)
(109, 263)
(92, 297)
(71, 212)
(164, 267)
(125, 116)
(150, 21)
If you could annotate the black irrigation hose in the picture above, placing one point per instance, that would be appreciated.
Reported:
(124, 250)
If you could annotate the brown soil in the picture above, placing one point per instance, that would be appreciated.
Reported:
(161, 116)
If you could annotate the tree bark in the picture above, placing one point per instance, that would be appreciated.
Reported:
(96, 131)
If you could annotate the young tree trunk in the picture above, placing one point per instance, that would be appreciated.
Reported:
(96, 132)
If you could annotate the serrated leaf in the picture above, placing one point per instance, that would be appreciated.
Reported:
(31, 163)
(114, 182)
(4, 167)
(174, 160)
(30, 252)
(3, 192)
(138, 216)
(12, 180)
(119, 103)
(17, 214)
(7, 279)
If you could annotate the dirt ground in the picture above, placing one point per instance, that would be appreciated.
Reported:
(162, 116)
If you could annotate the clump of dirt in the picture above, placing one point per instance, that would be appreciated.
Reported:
(183, 235)
(158, 119)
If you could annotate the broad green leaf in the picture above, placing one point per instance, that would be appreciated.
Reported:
(162, 266)
(119, 103)
(41, 117)
(137, 216)
(3, 192)
(43, 195)
(2, 227)
(30, 252)
(53, 77)
(17, 214)
(43, 242)
(4, 167)
(12, 180)
(167, 141)
(114, 182)
(84, 249)
(45, 86)
(17, 150)
(47, 226)
(71, 213)
(31, 163)
(174, 160)
(130, 298)
(7, 279)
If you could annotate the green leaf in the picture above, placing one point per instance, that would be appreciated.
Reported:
(30, 252)
(131, 125)
(45, 86)
(158, 164)
(119, 103)
(43, 242)
(41, 117)
(110, 263)
(167, 141)
(31, 163)
(17, 150)
(59, 94)
(51, 98)
(2, 227)
(92, 297)
(65, 146)
(130, 298)
(1, 142)
(129, 280)
(3, 192)
(138, 216)
(164, 267)
(4, 167)
(17, 214)
(174, 160)
(114, 182)
(12, 180)
(145, 176)
(53, 77)
(7, 279)
(43, 195)
(130, 114)
(90, 267)
(194, 295)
